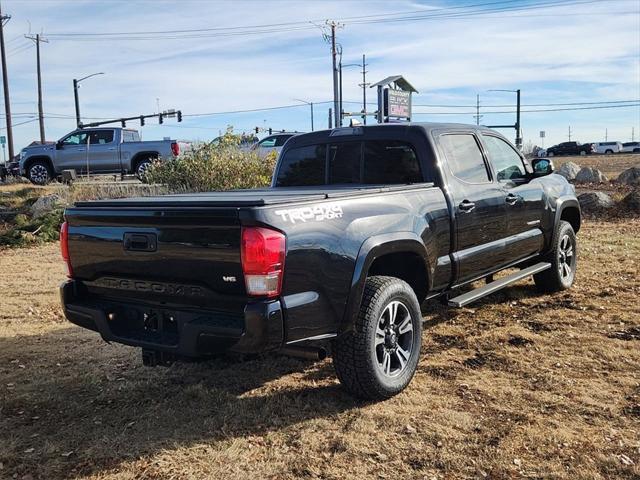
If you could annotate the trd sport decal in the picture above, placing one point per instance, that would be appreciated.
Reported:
(315, 213)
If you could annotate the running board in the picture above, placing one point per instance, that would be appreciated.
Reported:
(489, 288)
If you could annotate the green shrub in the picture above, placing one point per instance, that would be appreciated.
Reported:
(215, 166)
(25, 231)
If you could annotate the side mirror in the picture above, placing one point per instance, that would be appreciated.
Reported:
(58, 145)
(542, 167)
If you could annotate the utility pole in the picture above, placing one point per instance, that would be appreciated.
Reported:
(5, 82)
(336, 100)
(330, 119)
(633, 134)
(477, 116)
(518, 133)
(606, 134)
(38, 40)
(569, 132)
(364, 86)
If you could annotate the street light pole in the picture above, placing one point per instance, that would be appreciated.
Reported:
(311, 105)
(76, 86)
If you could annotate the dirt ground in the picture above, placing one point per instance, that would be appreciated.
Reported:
(518, 386)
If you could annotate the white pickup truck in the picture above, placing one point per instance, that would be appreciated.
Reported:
(94, 150)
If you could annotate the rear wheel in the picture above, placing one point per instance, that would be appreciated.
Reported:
(39, 173)
(608, 152)
(583, 153)
(378, 358)
(142, 167)
(550, 154)
(563, 258)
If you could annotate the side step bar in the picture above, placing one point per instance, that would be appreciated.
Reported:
(489, 288)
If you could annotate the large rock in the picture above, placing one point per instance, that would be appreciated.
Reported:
(590, 175)
(631, 176)
(632, 200)
(569, 170)
(44, 205)
(594, 201)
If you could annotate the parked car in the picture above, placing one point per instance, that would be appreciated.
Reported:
(9, 169)
(570, 148)
(608, 147)
(360, 225)
(272, 143)
(95, 150)
(631, 147)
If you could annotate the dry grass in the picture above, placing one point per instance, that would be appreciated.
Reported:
(519, 386)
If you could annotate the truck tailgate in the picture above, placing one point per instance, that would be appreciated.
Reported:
(168, 255)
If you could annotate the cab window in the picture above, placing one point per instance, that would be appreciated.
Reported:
(505, 160)
(268, 142)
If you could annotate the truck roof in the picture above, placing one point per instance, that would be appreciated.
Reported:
(383, 129)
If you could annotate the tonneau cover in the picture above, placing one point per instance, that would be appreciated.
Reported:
(246, 198)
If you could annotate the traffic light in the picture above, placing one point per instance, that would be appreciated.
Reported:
(160, 119)
(141, 121)
(179, 115)
(270, 130)
(257, 130)
(124, 124)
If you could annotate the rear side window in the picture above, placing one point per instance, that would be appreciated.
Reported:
(130, 136)
(390, 162)
(344, 162)
(464, 157)
(100, 137)
(506, 161)
(302, 166)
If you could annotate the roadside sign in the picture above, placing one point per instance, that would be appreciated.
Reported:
(397, 103)
(3, 139)
(542, 133)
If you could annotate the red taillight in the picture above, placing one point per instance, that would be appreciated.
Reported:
(262, 251)
(175, 149)
(64, 247)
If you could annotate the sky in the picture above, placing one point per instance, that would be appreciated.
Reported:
(206, 57)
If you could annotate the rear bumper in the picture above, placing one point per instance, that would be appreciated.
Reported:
(180, 331)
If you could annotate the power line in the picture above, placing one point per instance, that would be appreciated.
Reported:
(457, 11)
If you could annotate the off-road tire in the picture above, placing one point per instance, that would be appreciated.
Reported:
(555, 279)
(39, 173)
(355, 353)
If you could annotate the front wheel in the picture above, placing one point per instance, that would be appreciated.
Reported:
(564, 261)
(550, 154)
(608, 152)
(582, 153)
(39, 173)
(379, 357)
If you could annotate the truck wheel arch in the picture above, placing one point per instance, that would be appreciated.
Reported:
(401, 255)
(41, 158)
(568, 209)
(140, 157)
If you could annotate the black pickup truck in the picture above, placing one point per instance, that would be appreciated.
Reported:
(360, 225)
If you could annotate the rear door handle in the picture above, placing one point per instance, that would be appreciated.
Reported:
(511, 199)
(466, 206)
